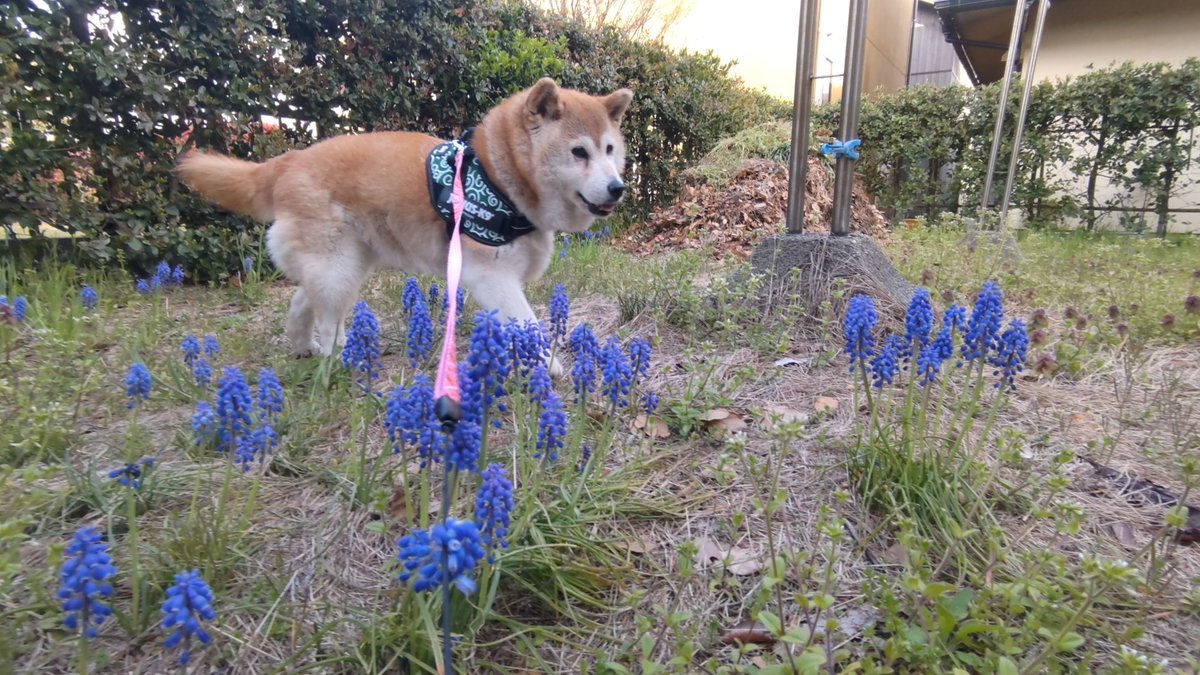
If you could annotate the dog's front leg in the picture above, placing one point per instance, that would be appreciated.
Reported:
(506, 296)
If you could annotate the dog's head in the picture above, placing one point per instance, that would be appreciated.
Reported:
(573, 152)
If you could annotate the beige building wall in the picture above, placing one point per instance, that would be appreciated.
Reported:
(885, 56)
(1099, 33)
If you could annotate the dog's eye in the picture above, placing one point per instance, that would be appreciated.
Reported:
(610, 149)
(579, 152)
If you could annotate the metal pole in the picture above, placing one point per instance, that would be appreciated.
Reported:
(1009, 66)
(843, 182)
(1027, 74)
(806, 47)
(912, 38)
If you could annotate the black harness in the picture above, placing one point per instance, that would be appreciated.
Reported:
(488, 216)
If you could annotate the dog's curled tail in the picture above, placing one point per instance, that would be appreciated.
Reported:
(237, 185)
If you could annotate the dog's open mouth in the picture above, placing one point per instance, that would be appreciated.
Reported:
(601, 210)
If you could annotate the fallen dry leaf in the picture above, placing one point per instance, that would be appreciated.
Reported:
(781, 415)
(747, 632)
(398, 503)
(726, 426)
(651, 426)
(638, 546)
(825, 403)
(1123, 534)
(714, 415)
(739, 561)
(896, 554)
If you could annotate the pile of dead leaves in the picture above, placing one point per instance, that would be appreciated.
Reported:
(753, 205)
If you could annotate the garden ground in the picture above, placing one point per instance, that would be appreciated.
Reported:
(728, 532)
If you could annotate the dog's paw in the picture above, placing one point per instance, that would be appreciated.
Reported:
(307, 352)
(556, 368)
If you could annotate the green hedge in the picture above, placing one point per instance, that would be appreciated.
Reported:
(95, 116)
(1132, 125)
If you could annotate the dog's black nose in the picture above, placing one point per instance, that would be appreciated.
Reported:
(616, 189)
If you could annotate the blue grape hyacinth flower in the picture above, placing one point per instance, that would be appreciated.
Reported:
(932, 357)
(189, 601)
(552, 429)
(162, 275)
(488, 366)
(410, 420)
(20, 309)
(1009, 356)
(918, 322)
(983, 328)
(462, 451)
(234, 408)
(190, 347)
(649, 402)
(528, 346)
(446, 553)
(859, 325)
(88, 297)
(256, 445)
(586, 351)
(142, 286)
(885, 365)
(130, 475)
(84, 577)
(361, 353)
(560, 309)
(616, 375)
(270, 394)
(204, 423)
(539, 384)
(408, 297)
(493, 504)
(137, 384)
(639, 358)
(201, 373)
(211, 348)
(177, 275)
(420, 330)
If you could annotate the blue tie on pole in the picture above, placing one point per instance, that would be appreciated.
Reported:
(848, 149)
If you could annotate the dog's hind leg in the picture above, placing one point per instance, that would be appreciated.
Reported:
(332, 293)
(300, 320)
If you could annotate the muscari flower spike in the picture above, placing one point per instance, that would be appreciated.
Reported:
(955, 317)
(211, 348)
(130, 475)
(639, 358)
(858, 325)
(420, 329)
(84, 575)
(233, 408)
(201, 373)
(493, 504)
(408, 297)
(539, 384)
(552, 428)
(585, 350)
(270, 394)
(487, 366)
(137, 384)
(918, 322)
(616, 375)
(361, 353)
(20, 308)
(1009, 355)
(884, 365)
(528, 345)
(433, 294)
(142, 286)
(560, 309)
(191, 349)
(446, 553)
(649, 402)
(162, 275)
(88, 297)
(256, 445)
(177, 275)
(983, 328)
(204, 423)
(410, 419)
(932, 357)
(462, 451)
(189, 601)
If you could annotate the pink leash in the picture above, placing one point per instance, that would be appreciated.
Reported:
(447, 397)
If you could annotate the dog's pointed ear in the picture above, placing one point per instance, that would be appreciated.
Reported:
(617, 103)
(543, 102)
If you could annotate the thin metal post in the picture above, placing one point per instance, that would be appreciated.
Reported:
(1009, 66)
(806, 46)
(1027, 75)
(843, 182)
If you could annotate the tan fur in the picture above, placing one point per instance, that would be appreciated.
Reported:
(347, 206)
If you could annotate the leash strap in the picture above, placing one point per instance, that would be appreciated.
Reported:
(446, 395)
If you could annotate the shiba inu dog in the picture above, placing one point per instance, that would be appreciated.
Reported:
(545, 160)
